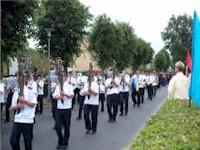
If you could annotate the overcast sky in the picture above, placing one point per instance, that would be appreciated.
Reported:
(147, 17)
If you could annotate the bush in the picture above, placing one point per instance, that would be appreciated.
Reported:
(175, 126)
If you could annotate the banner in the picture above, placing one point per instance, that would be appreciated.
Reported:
(194, 91)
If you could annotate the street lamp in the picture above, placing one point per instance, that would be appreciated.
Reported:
(49, 30)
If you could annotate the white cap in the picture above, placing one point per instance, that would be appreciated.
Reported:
(69, 69)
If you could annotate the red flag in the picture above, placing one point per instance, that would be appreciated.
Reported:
(188, 63)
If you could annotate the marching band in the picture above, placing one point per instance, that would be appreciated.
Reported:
(89, 91)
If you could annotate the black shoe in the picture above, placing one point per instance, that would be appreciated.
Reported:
(121, 114)
(114, 120)
(110, 121)
(138, 105)
(78, 118)
(58, 146)
(64, 147)
(126, 114)
(6, 121)
(93, 132)
(88, 132)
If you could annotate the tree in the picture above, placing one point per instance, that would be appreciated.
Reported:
(68, 18)
(103, 41)
(16, 26)
(126, 41)
(178, 36)
(143, 53)
(162, 60)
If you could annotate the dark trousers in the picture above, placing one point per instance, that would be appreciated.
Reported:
(63, 117)
(76, 96)
(39, 107)
(17, 130)
(154, 90)
(134, 95)
(112, 106)
(8, 104)
(150, 92)
(81, 101)
(91, 123)
(141, 92)
(53, 107)
(123, 100)
(102, 100)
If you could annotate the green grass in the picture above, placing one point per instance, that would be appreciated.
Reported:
(176, 126)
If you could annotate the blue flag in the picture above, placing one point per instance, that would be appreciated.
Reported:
(195, 75)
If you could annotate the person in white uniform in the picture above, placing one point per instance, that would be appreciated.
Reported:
(124, 92)
(71, 80)
(91, 107)
(83, 88)
(1, 95)
(40, 92)
(112, 86)
(101, 93)
(63, 113)
(24, 117)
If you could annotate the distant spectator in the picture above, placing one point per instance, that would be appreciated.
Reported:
(179, 84)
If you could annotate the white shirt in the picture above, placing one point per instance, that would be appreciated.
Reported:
(102, 88)
(155, 80)
(178, 87)
(150, 79)
(84, 88)
(72, 81)
(27, 114)
(33, 85)
(113, 90)
(124, 86)
(1, 92)
(67, 102)
(40, 90)
(94, 99)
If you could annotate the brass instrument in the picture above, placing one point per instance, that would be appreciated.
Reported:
(113, 69)
(59, 72)
(90, 76)
(23, 74)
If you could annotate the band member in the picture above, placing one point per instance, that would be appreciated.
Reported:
(150, 80)
(63, 113)
(24, 117)
(135, 91)
(124, 92)
(77, 87)
(91, 107)
(1, 94)
(10, 87)
(53, 101)
(101, 93)
(155, 83)
(40, 92)
(71, 80)
(142, 85)
(112, 86)
(83, 89)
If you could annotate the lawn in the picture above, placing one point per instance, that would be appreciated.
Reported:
(176, 126)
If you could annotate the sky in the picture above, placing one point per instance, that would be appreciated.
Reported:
(148, 17)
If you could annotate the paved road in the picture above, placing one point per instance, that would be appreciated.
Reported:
(109, 136)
